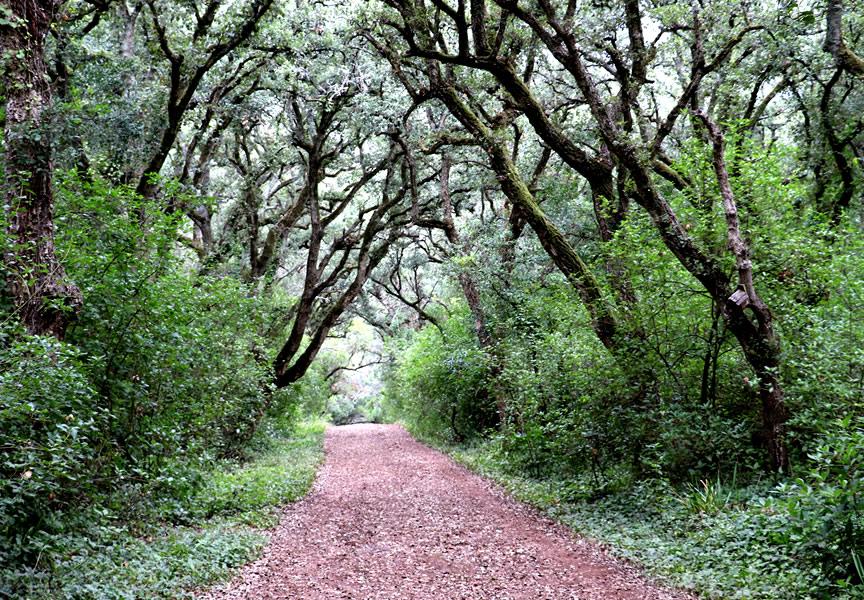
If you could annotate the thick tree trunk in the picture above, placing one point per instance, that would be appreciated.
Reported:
(834, 44)
(758, 340)
(44, 299)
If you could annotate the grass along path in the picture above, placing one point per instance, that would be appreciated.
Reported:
(720, 541)
(223, 531)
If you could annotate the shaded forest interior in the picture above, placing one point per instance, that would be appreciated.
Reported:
(607, 252)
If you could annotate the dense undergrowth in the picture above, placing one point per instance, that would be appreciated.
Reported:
(114, 557)
(136, 453)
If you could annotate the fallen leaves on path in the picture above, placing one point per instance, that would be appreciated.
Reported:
(389, 518)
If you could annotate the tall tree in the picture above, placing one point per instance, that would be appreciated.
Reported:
(189, 66)
(844, 56)
(747, 316)
(43, 297)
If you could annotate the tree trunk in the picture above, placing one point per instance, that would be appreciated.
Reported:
(834, 44)
(44, 300)
(469, 288)
(551, 238)
(369, 257)
(472, 297)
(758, 339)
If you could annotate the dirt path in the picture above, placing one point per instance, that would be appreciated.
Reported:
(391, 518)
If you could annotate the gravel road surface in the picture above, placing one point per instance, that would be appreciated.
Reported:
(391, 518)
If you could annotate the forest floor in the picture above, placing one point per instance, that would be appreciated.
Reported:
(391, 518)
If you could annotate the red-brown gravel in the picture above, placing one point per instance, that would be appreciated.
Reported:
(391, 518)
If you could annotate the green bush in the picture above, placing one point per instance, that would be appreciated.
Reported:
(438, 382)
(151, 329)
(827, 506)
(111, 564)
(98, 555)
(279, 474)
(164, 372)
(52, 426)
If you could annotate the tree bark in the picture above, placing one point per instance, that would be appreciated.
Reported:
(760, 343)
(185, 80)
(43, 297)
(837, 148)
(289, 366)
(469, 288)
(551, 238)
(844, 57)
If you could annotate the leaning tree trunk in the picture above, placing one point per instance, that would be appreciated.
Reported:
(44, 300)
(551, 238)
(757, 337)
(844, 57)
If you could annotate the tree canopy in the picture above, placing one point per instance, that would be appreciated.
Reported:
(621, 236)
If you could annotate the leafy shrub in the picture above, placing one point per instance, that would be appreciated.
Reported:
(341, 408)
(51, 425)
(150, 327)
(734, 549)
(110, 563)
(827, 507)
(438, 383)
(708, 497)
(280, 474)
(164, 371)
(95, 555)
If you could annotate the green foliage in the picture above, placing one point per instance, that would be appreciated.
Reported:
(51, 427)
(122, 560)
(827, 506)
(309, 396)
(731, 550)
(167, 370)
(150, 327)
(279, 474)
(670, 472)
(118, 426)
(112, 564)
(708, 497)
(438, 381)
(341, 409)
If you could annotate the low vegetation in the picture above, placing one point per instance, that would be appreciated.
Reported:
(187, 542)
(717, 538)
